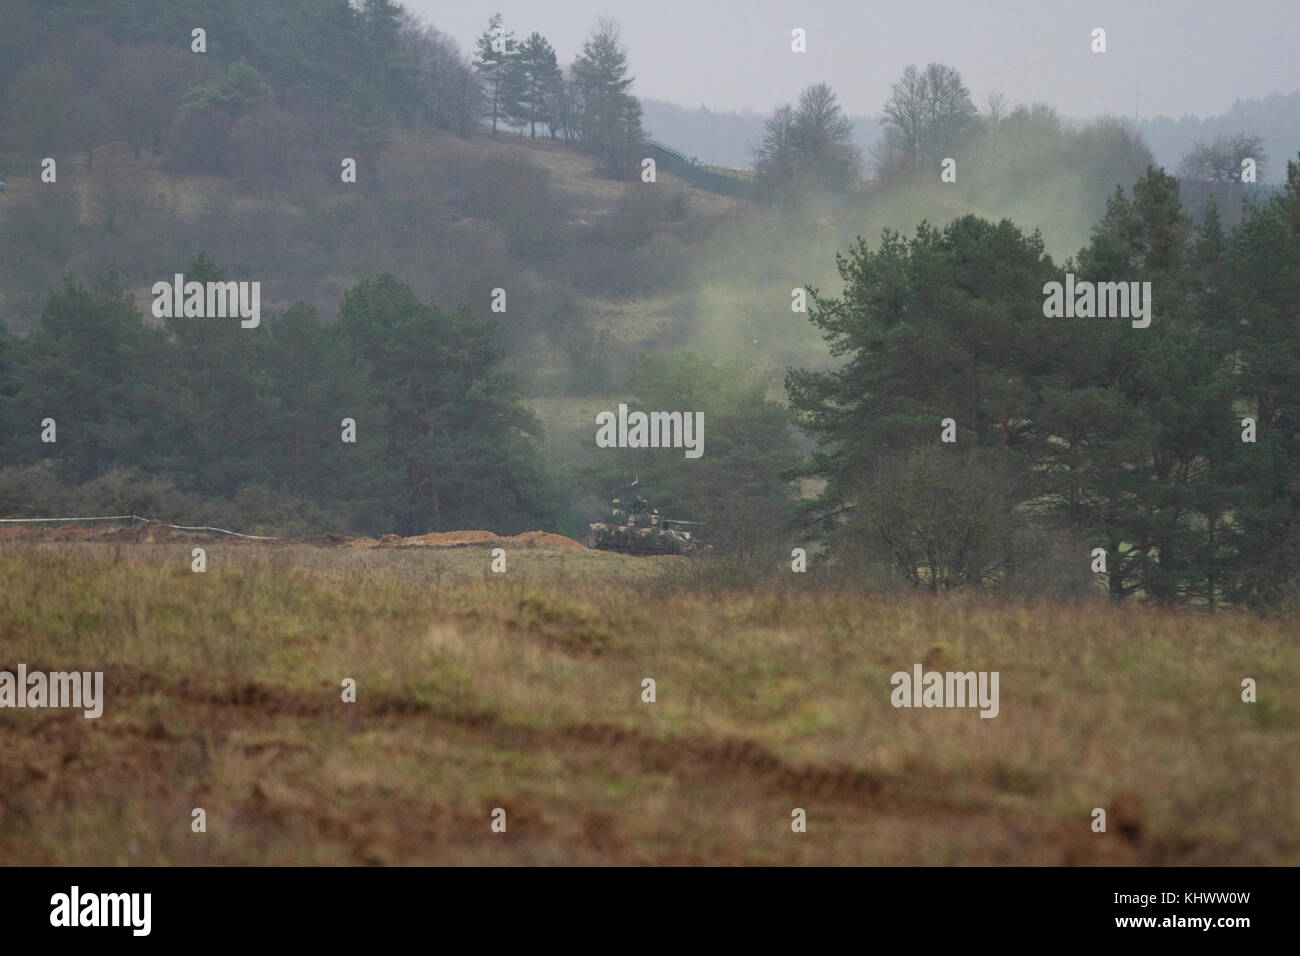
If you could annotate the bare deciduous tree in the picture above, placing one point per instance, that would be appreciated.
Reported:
(810, 144)
(1220, 159)
(450, 92)
(145, 88)
(928, 115)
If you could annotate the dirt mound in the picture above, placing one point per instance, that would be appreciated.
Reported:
(545, 539)
(159, 533)
(35, 533)
(451, 539)
(142, 533)
(72, 532)
(460, 539)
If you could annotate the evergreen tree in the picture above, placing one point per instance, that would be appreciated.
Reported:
(217, 396)
(209, 111)
(1128, 437)
(88, 366)
(391, 68)
(495, 52)
(1263, 284)
(943, 325)
(460, 443)
(315, 381)
(11, 358)
(531, 81)
(610, 115)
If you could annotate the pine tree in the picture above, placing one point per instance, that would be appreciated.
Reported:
(531, 81)
(459, 439)
(216, 397)
(1263, 285)
(88, 365)
(315, 380)
(610, 115)
(1128, 437)
(494, 59)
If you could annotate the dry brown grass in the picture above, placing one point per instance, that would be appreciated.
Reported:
(522, 690)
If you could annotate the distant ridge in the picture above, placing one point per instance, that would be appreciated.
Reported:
(725, 137)
(720, 137)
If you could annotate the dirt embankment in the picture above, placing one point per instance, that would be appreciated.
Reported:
(140, 533)
(154, 532)
(460, 539)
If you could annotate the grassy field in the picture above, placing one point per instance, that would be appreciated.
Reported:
(522, 690)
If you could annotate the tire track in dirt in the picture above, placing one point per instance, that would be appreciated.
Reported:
(651, 751)
(735, 762)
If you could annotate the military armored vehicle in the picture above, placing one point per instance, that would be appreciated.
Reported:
(636, 528)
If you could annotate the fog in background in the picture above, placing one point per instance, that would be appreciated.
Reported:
(1164, 57)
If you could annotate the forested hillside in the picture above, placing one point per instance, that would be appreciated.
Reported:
(461, 253)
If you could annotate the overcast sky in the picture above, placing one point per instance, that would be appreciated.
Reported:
(1165, 57)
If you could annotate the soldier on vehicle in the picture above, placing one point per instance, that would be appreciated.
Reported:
(634, 527)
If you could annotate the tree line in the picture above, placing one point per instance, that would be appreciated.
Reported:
(78, 74)
(930, 116)
(587, 104)
(1164, 461)
(176, 419)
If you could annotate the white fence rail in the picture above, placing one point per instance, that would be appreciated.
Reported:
(134, 518)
